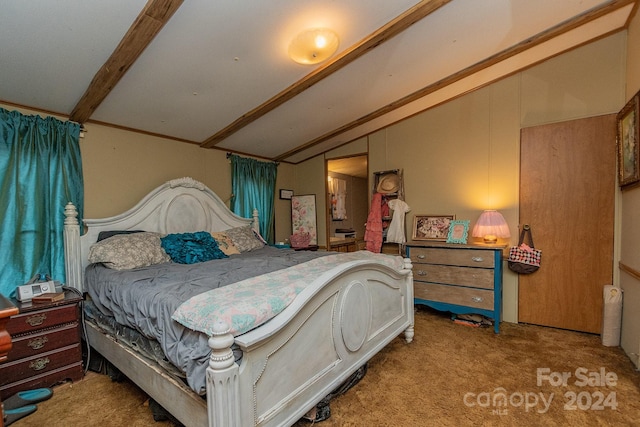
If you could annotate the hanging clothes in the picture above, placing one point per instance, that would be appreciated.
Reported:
(395, 233)
(373, 229)
(338, 188)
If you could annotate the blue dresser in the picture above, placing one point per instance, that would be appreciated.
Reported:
(462, 279)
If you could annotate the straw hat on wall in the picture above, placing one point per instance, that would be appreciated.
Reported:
(388, 183)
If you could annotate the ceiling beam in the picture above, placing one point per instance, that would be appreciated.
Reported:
(391, 29)
(147, 25)
(524, 45)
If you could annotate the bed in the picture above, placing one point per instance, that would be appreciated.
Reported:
(271, 375)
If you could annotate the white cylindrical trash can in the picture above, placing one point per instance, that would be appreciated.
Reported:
(612, 316)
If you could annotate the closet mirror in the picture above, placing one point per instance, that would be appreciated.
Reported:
(347, 202)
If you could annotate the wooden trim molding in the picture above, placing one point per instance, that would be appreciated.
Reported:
(630, 271)
(147, 25)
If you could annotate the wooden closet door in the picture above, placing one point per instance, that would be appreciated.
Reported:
(567, 187)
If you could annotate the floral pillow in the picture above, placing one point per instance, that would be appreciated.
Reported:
(128, 251)
(225, 243)
(244, 238)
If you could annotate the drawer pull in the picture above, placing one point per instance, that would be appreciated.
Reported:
(421, 273)
(421, 256)
(39, 364)
(477, 299)
(477, 259)
(36, 319)
(37, 343)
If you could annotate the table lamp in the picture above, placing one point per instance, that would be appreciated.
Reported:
(491, 225)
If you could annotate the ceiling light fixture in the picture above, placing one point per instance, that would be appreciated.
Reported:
(313, 46)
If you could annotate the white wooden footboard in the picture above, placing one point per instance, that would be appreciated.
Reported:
(289, 364)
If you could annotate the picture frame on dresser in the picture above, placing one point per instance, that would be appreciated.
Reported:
(458, 232)
(628, 141)
(431, 227)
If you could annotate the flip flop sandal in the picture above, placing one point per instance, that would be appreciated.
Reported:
(13, 415)
(27, 397)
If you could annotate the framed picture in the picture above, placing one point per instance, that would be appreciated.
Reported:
(628, 142)
(458, 231)
(303, 216)
(286, 194)
(431, 227)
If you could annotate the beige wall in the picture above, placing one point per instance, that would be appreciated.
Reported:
(629, 224)
(463, 156)
(120, 167)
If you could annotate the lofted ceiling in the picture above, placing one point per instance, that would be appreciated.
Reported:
(216, 72)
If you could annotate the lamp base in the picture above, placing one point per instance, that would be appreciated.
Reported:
(490, 239)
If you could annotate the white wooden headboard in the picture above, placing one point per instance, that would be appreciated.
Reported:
(178, 206)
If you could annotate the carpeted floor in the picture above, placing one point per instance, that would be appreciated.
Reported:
(451, 375)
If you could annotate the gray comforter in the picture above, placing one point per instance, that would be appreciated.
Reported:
(145, 299)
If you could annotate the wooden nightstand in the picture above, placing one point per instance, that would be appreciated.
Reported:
(461, 279)
(46, 348)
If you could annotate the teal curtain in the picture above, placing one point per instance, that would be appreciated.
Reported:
(253, 184)
(41, 170)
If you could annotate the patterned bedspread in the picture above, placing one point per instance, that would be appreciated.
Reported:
(249, 303)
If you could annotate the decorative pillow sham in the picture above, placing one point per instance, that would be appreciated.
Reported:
(128, 251)
(244, 238)
(225, 243)
(190, 248)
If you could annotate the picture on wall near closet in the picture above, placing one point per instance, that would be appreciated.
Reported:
(431, 227)
(628, 122)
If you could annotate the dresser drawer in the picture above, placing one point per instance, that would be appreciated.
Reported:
(40, 319)
(461, 257)
(40, 364)
(458, 295)
(465, 276)
(43, 341)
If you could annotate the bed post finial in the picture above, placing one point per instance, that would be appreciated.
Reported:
(223, 400)
(72, 261)
(256, 221)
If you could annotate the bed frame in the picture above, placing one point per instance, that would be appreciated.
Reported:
(290, 363)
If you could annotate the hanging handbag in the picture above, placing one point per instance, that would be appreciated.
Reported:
(524, 258)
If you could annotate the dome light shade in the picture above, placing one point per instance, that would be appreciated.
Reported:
(490, 226)
(314, 46)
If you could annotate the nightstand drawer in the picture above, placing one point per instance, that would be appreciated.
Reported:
(47, 340)
(40, 319)
(73, 372)
(461, 257)
(39, 364)
(465, 276)
(458, 295)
